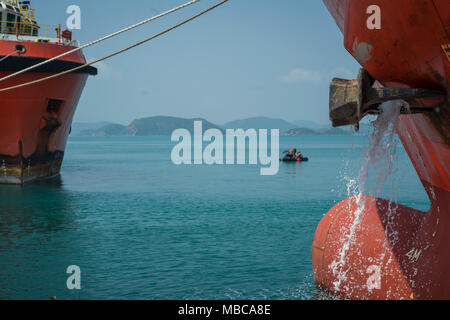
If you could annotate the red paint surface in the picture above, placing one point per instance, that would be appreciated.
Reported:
(22, 110)
(408, 247)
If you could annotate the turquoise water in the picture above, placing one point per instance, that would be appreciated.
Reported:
(140, 227)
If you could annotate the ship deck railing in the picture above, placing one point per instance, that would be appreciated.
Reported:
(32, 30)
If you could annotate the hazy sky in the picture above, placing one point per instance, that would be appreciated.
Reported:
(247, 58)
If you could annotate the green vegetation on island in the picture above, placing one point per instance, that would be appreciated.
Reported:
(164, 126)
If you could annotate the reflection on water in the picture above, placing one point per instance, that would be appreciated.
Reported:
(293, 168)
(41, 207)
(36, 228)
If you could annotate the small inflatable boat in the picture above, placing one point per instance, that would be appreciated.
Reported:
(292, 159)
(289, 156)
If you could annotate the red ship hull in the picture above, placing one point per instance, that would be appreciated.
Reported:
(35, 121)
(396, 252)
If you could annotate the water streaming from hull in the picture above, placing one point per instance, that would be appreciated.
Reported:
(380, 157)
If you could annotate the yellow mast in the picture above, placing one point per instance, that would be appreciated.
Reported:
(26, 10)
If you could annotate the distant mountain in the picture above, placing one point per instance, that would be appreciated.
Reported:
(308, 124)
(164, 126)
(336, 132)
(364, 129)
(260, 123)
(79, 127)
(152, 126)
(308, 131)
(108, 130)
(299, 132)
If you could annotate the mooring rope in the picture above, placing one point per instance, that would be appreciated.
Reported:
(115, 53)
(9, 55)
(101, 39)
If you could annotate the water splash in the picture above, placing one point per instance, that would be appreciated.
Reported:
(379, 157)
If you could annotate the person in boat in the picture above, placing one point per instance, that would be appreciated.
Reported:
(291, 153)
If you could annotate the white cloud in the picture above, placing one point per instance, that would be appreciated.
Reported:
(302, 75)
(342, 72)
(102, 66)
(104, 69)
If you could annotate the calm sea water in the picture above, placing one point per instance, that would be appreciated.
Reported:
(141, 228)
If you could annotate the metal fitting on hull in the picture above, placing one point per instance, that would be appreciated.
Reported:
(352, 100)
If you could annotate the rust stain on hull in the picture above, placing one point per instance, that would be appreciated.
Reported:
(19, 170)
